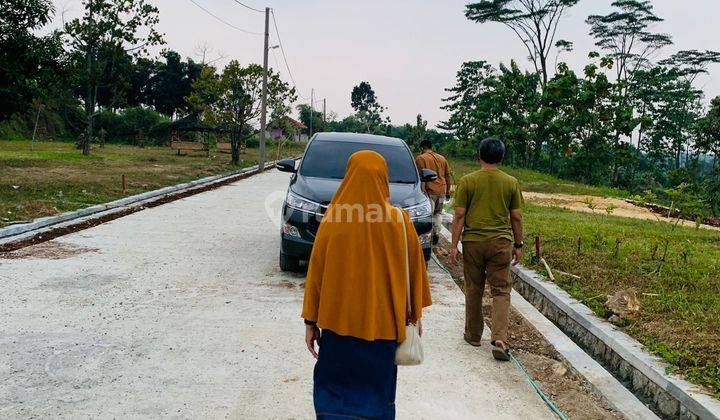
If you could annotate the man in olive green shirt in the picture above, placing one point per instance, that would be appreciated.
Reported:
(488, 216)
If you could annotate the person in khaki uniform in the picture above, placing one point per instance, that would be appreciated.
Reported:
(439, 189)
(488, 217)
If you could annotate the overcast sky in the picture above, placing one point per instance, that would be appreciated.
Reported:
(408, 50)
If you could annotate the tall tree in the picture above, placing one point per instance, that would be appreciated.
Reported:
(625, 34)
(128, 24)
(362, 97)
(535, 23)
(368, 109)
(692, 63)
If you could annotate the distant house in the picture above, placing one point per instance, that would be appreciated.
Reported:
(287, 128)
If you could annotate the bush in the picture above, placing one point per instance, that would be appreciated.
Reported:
(131, 122)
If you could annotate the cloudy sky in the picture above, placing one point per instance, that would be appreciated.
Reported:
(408, 50)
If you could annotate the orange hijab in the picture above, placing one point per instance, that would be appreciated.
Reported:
(356, 281)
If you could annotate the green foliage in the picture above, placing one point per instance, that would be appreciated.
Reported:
(230, 100)
(417, 134)
(625, 34)
(29, 64)
(306, 114)
(368, 109)
(131, 123)
(100, 38)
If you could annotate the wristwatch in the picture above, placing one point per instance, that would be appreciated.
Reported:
(518, 245)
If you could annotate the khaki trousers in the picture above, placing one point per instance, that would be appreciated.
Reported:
(487, 260)
(437, 202)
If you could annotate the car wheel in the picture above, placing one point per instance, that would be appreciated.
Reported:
(289, 263)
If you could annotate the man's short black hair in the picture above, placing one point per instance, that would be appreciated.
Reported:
(426, 144)
(492, 150)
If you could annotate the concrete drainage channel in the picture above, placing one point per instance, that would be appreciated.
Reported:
(629, 379)
(668, 395)
(47, 228)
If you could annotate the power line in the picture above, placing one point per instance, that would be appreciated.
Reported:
(248, 7)
(282, 50)
(224, 21)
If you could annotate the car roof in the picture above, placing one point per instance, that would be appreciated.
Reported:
(358, 138)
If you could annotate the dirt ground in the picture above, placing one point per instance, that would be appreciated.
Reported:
(570, 392)
(622, 207)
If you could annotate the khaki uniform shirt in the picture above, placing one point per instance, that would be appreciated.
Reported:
(436, 162)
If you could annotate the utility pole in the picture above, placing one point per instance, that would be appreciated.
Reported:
(263, 105)
(312, 110)
(324, 111)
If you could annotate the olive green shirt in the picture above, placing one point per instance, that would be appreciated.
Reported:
(488, 196)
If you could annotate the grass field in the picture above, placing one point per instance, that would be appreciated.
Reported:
(680, 315)
(680, 318)
(53, 177)
(538, 181)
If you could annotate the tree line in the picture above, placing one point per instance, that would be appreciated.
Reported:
(94, 77)
(624, 120)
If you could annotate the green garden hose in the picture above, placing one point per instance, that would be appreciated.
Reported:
(520, 366)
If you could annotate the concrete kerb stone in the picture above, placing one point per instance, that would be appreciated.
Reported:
(11, 233)
(602, 382)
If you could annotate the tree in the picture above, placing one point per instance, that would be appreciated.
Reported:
(126, 24)
(28, 62)
(505, 103)
(172, 83)
(368, 110)
(692, 63)
(625, 34)
(418, 133)
(306, 114)
(708, 128)
(535, 23)
(362, 97)
(230, 101)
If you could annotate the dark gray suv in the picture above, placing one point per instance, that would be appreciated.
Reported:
(318, 176)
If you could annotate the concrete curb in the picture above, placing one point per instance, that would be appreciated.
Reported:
(23, 231)
(603, 383)
(643, 373)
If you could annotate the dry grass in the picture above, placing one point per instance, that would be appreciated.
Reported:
(52, 177)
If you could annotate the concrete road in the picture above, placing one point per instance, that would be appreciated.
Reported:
(181, 311)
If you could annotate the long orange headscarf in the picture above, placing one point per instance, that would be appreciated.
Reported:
(356, 281)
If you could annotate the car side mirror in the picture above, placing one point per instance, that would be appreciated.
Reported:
(428, 175)
(286, 165)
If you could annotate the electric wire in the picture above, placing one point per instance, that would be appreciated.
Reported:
(223, 20)
(248, 7)
(282, 50)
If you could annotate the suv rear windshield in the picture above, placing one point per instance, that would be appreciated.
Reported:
(328, 159)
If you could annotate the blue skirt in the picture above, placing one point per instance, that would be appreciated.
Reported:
(355, 378)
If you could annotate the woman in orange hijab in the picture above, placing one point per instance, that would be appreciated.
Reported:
(355, 293)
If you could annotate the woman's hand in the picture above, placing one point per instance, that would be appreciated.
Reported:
(312, 334)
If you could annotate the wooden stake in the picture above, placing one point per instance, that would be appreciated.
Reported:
(579, 245)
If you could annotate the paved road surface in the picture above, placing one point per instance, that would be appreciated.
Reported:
(181, 311)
